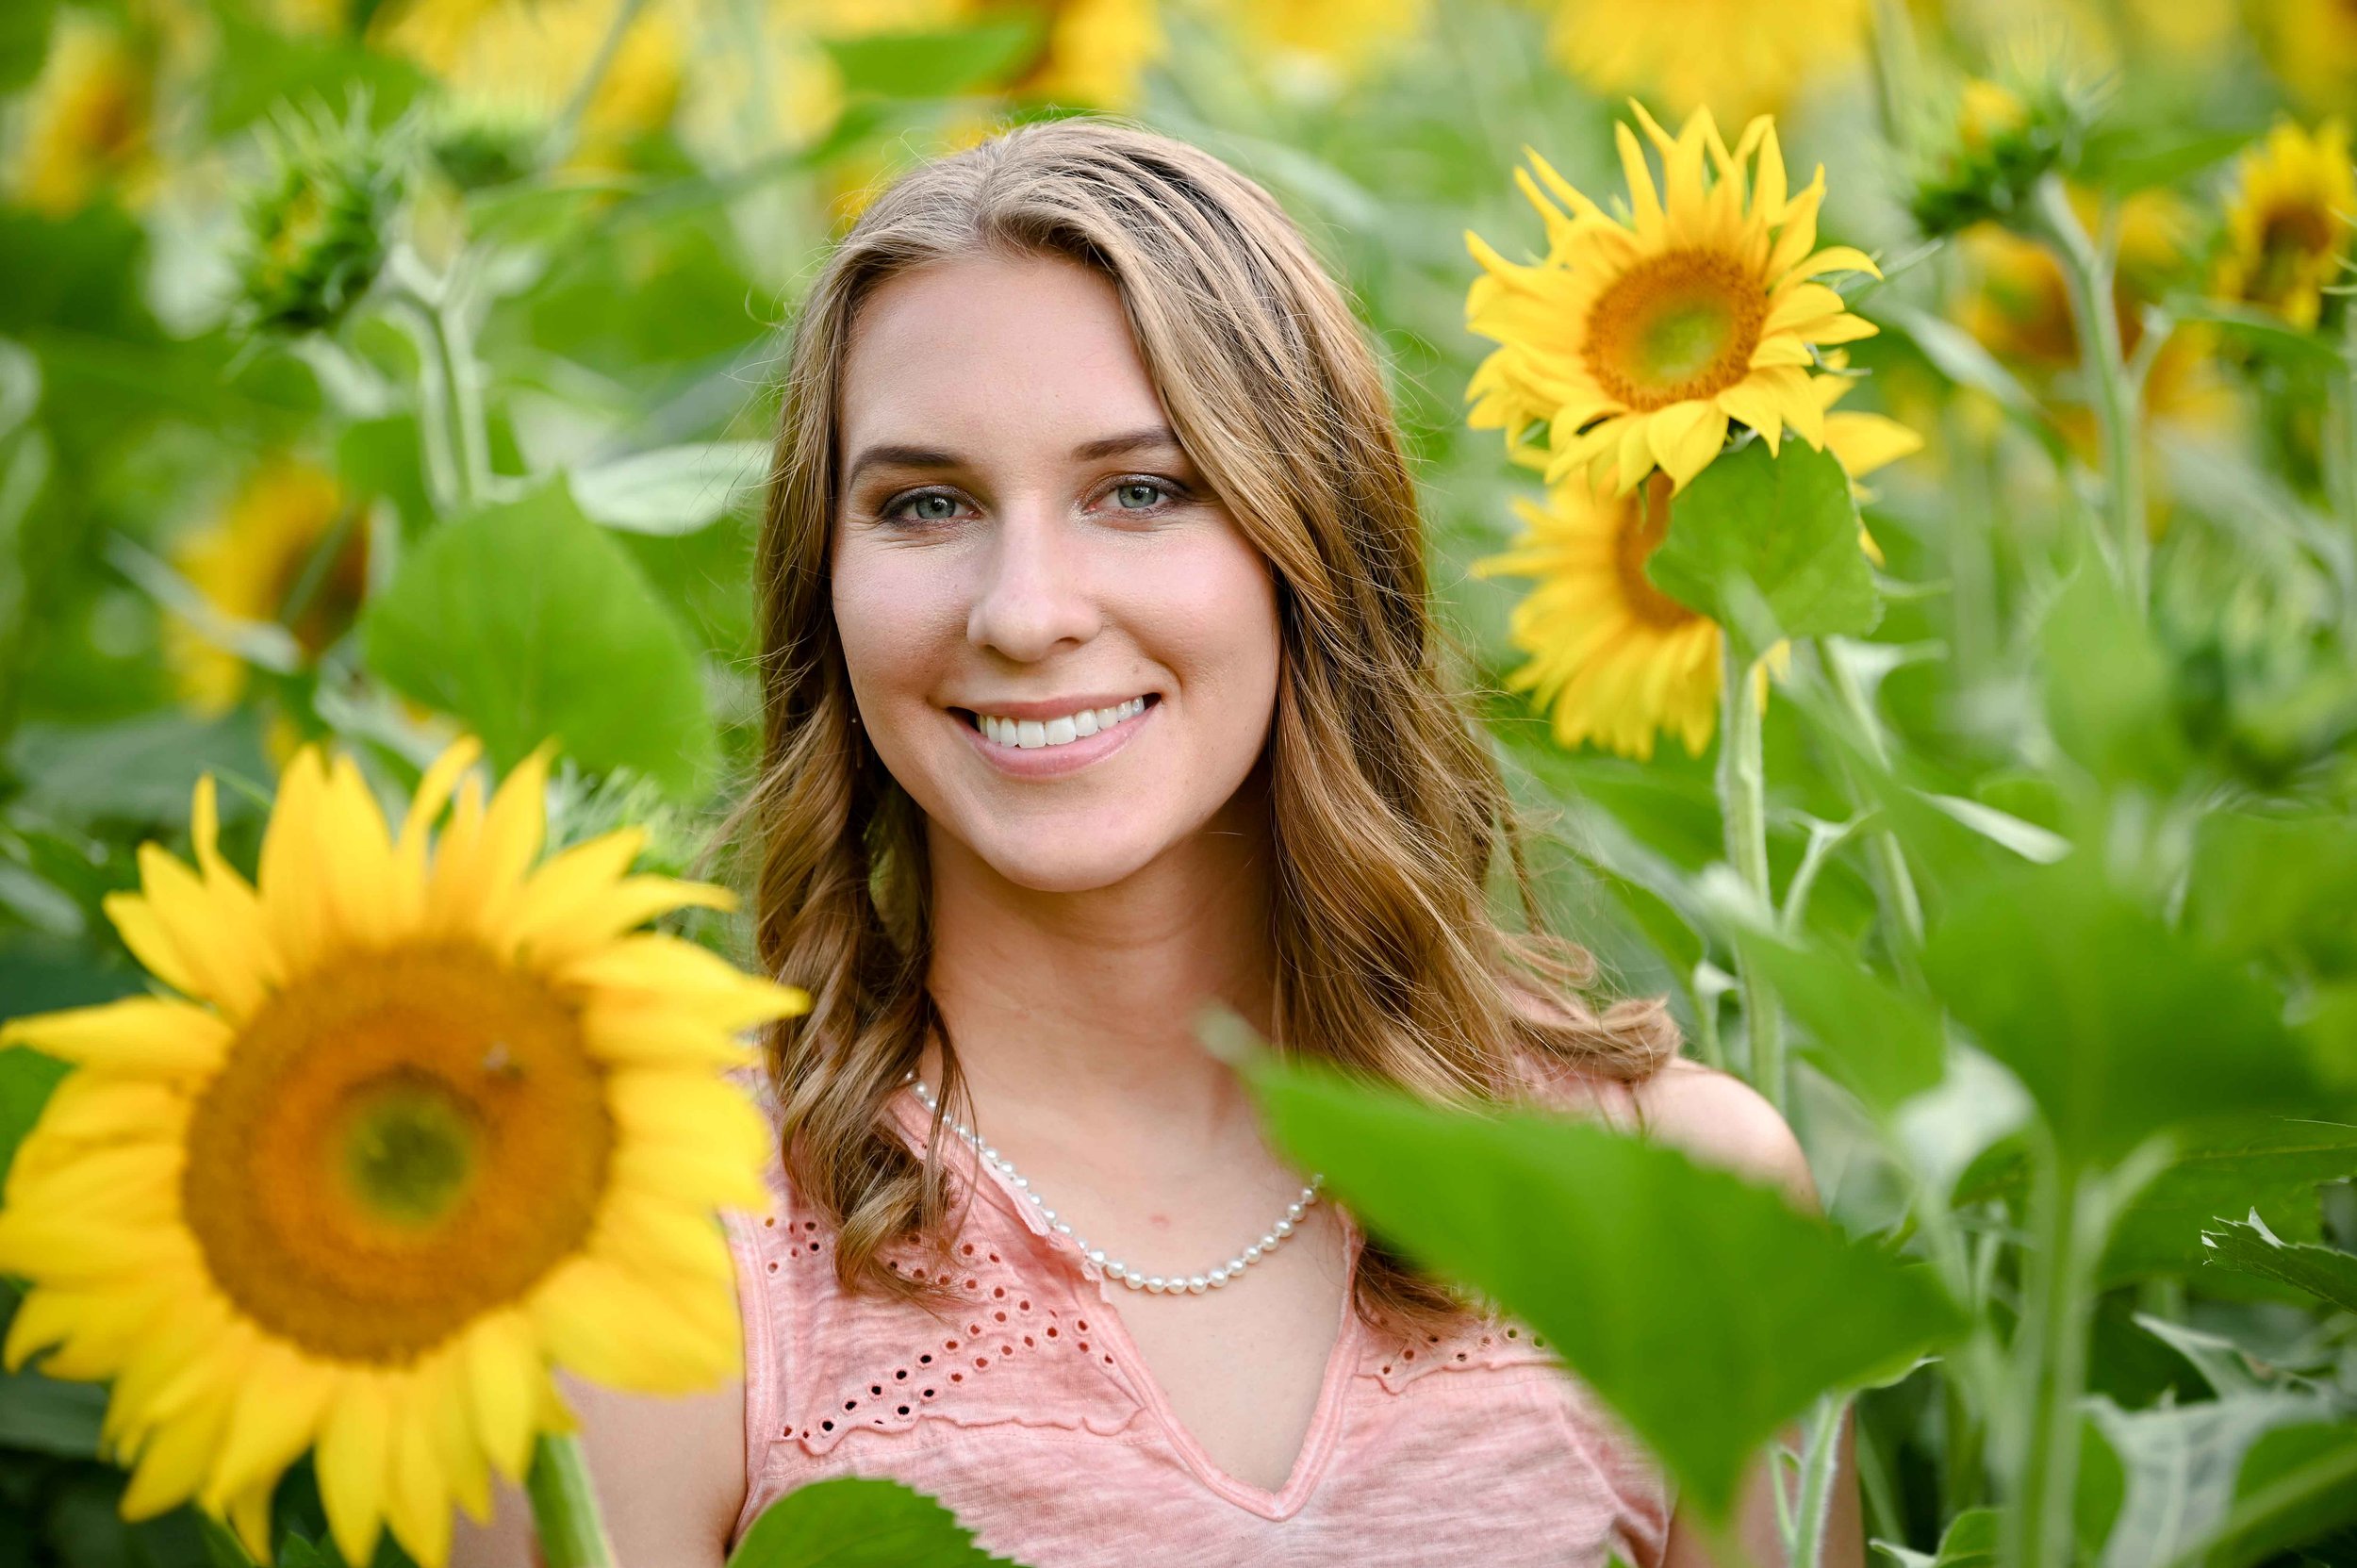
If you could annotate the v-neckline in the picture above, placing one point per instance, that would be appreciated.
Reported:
(1341, 1362)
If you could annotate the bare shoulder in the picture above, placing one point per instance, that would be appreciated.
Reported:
(1721, 1120)
(669, 1476)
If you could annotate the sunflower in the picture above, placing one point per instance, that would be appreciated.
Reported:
(2312, 45)
(1095, 52)
(253, 561)
(420, 1122)
(1736, 55)
(517, 63)
(1640, 343)
(1613, 659)
(1322, 46)
(86, 121)
(2287, 228)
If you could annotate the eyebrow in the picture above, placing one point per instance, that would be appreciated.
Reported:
(1147, 437)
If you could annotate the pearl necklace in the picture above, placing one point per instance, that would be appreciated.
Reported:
(1192, 1284)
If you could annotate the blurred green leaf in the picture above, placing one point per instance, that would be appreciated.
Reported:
(2265, 331)
(26, 1078)
(674, 490)
(23, 41)
(936, 63)
(2276, 885)
(1876, 1041)
(2108, 694)
(2326, 1273)
(525, 620)
(2297, 1484)
(2119, 1026)
(1969, 1542)
(1705, 1348)
(1755, 539)
(856, 1523)
(139, 770)
(2182, 1462)
(48, 1415)
(260, 66)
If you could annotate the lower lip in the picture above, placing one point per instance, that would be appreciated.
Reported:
(1051, 761)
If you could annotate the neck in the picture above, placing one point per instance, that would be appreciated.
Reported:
(1079, 1008)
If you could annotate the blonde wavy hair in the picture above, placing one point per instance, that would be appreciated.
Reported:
(1387, 811)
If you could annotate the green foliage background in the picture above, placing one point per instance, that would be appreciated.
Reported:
(2062, 864)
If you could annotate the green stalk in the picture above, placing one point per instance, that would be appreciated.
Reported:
(1805, 1546)
(2087, 274)
(1893, 880)
(2052, 1360)
(1744, 808)
(1896, 88)
(442, 481)
(565, 1506)
(568, 127)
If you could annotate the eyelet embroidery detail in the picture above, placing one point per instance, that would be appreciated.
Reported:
(970, 1370)
(1495, 1341)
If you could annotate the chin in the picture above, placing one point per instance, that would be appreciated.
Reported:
(1074, 862)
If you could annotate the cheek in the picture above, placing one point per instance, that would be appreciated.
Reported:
(892, 617)
(1215, 619)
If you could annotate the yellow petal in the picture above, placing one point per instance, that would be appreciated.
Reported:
(476, 879)
(1865, 442)
(354, 1456)
(289, 879)
(144, 933)
(1832, 259)
(434, 791)
(417, 1503)
(1644, 203)
(1685, 436)
(280, 1402)
(217, 955)
(1751, 403)
(138, 1035)
(501, 1372)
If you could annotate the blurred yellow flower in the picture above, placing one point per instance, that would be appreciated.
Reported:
(421, 1121)
(2312, 44)
(522, 61)
(251, 559)
(1735, 56)
(1638, 343)
(2288, 226)
(1095, 54)
(85, 124)
(1323, 44)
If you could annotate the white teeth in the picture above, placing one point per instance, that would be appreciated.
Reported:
(1028, 734)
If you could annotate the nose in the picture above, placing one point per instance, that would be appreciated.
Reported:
(1035, 595)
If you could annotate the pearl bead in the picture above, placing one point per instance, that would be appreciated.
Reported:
(1235, 1266)
(1197, 1284)
(1155, 1283)
(1114, 1271)
(1022, 1184)
(1218, 1277)
(1096, 1256)
(1063, 1229)
(1268, 1243)
(1293, 1213)
(1134, 1282)
(1283, 1228)
(1049, 1214)
(1252, 1253)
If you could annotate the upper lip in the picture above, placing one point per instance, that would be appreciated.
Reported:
(1050, 707)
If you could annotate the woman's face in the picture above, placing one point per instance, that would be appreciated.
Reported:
(1061, 643)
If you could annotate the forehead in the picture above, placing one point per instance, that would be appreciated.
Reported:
(993, 348)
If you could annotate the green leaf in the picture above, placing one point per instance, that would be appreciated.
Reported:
(674, 490)
(1768, 547)
(49, 1416)
(139, 770)
(1705, 1348)
(2276, 885)
(2266, 331)
(2119, 1026)
(1876, 1041)
(2298, 1483)
(26, 1078)
(2182, 1462)
(935, 63)
(2109, 698)
(2326, 1273)
(23, 41)
(853, 1522)
(526, 620)
(1957, 354)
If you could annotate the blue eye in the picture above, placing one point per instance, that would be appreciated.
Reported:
(1136, 495)
(925, 507)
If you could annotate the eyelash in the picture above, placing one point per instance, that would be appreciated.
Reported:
(1174, 494)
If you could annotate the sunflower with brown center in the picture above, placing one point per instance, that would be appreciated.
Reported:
(421, 1122)
(1640, 344)
(2288, 228)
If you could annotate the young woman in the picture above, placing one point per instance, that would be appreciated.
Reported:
(1101, 685)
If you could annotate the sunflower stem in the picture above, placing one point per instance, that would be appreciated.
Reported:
(565, 1506)
(1743, 809)
(1896, 883)
(2086, 268)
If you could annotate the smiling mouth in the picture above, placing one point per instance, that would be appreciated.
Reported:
(1037, 735)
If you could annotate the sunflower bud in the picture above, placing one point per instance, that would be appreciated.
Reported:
(1995, 141)
(317, 225)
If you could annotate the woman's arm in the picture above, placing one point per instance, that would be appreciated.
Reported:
(1723, 1120)
(670, 1474)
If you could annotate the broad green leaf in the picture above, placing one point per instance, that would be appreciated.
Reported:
(1705, 1348)
(2298, 1483)
(853, 1522)
(23, 41)
(526, 620)
(141, 770)
(674, 490)
(2182, 1462)
(2108, 697)
(2266, 331)
(2118, 1027)
(48, 1415)
(2277, 885)
(26, 1078)
(1768, 547)
(935, 63)
(262, 66)
(1881, 1043)
(2324, 1272)
(1969, 1541)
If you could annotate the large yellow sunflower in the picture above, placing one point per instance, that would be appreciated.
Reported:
(416, 1122)
(2288, 228)
(1739, 56)
(1638, 343)
(2312, 45)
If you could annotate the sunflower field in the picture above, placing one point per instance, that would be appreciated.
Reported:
(1891, 470)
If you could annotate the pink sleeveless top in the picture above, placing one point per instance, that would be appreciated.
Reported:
(1032, 1418)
